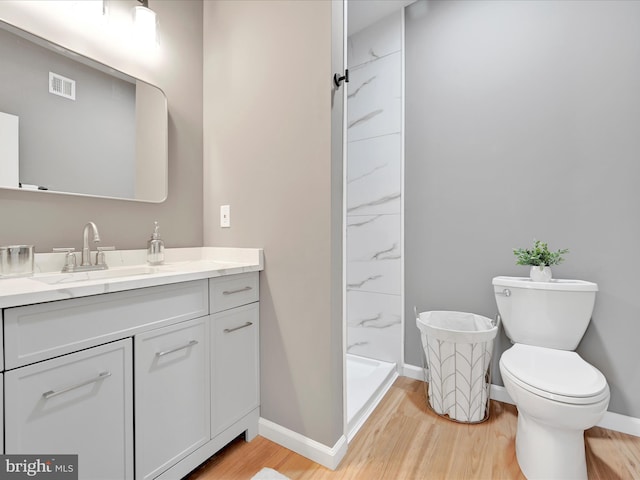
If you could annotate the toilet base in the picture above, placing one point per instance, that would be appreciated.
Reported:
(546, 452)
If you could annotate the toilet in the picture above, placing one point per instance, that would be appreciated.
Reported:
(557, 393)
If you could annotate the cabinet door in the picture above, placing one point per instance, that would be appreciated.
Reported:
(1, 413)
(1, 344)
(172, 385)
(235, 365)
(81, 403)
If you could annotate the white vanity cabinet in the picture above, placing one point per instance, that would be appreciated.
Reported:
(172, 379)
(81, 403)
(145, 383)
(235, 349)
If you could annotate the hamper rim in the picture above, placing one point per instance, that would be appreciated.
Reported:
(422, 323)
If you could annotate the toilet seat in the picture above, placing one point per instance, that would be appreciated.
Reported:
(558, 375)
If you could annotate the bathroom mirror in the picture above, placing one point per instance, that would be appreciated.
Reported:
(69, 124)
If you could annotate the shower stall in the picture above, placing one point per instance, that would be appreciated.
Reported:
(373, 191)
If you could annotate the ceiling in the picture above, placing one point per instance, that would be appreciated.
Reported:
(362, 13)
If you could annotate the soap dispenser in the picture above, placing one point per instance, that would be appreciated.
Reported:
(155, 247)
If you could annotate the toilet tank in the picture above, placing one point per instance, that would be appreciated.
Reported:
(551, 314)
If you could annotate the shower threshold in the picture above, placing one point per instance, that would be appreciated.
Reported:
(367, 382)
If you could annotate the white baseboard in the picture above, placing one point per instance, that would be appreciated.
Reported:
(499, 393)
(611, 420)
(329, 457)
(620, 423)
(411, 371)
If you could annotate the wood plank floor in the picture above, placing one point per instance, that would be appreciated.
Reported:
(403, 439)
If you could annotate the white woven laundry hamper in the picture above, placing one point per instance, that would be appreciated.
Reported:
(458, 348)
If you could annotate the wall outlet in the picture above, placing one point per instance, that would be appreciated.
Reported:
(225, 216)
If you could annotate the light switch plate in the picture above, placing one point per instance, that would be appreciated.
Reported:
(225, 216)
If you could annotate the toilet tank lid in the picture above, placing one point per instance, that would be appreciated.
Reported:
(555, 284)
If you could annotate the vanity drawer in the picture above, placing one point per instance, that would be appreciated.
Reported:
(38, 332)
(233, 291)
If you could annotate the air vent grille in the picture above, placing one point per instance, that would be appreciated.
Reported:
(63, 86)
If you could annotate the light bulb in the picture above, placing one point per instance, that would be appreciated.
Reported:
(145, 24)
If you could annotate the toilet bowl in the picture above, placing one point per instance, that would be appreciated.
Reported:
(558, 396)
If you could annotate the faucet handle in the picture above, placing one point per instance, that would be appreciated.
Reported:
(69, 259)
(64, 249)
(100, 257)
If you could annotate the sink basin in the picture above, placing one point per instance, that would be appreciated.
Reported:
(113, 273)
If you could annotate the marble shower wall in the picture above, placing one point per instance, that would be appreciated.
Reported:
(374, 189)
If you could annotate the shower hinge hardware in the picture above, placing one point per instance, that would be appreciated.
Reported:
(337, 79)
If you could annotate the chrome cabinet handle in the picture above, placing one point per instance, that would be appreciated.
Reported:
(231, 292)
(505, 292)
(182, 347)
(55, 393)
(229, 330)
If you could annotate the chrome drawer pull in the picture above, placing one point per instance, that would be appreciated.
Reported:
(166, 352)
(53, 393)
(229, 330)
(231, 292)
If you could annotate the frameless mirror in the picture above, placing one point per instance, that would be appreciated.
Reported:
(69, 124)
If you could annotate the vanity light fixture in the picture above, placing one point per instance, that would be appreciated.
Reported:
(144, 20)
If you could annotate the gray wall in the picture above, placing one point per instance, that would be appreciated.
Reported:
(51, 220)
(268, 154)
(94, 132)
(522, 122)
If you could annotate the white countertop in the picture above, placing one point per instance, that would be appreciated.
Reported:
(181, 265)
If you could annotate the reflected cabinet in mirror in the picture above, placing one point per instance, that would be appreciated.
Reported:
(69, 124)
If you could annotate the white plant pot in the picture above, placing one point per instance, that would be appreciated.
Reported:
(540, 274)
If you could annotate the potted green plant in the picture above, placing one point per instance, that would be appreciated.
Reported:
(540, 258)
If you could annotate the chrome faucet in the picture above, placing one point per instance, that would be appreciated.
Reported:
(86, 251)
(70, 264)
